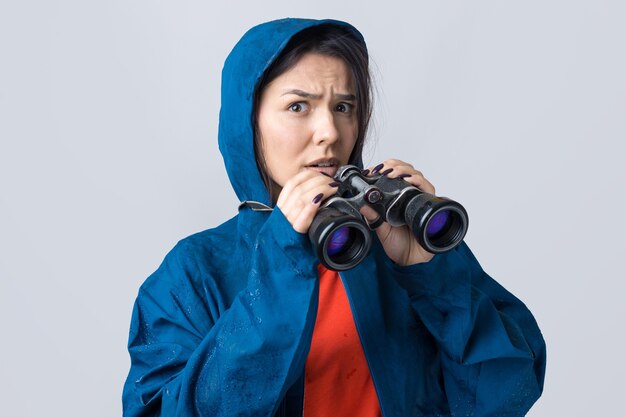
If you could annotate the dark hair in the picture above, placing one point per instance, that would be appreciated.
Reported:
(330, 40)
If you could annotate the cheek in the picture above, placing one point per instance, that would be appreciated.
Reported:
(349, 132)
(280, 141)
(282, 147)
(276, 130)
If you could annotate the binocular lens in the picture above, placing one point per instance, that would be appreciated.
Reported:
(339, 241)
(438, 224)
(445, 229)
(345, 247)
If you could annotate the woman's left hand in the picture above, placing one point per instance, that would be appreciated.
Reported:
(399, 243)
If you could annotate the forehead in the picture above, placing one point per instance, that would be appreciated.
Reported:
(315, 70)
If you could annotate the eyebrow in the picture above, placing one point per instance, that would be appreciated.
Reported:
(304, 94)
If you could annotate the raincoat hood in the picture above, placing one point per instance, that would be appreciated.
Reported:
(242, 72)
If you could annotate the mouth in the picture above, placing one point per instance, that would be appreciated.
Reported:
(328, 166)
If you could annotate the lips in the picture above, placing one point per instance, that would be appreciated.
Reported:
(323, 162)
(326, 165)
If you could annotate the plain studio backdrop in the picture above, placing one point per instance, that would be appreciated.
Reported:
(108, 156)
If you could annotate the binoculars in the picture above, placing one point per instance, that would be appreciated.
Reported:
(341, 236)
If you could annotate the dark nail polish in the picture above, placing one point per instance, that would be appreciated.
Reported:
(403, 176)
(328, 175)
(365, 172)
(387, 171)
(377, 168)
(335, 184)
(317, 198)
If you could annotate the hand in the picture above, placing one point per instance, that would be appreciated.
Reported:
(301, 196)
(399, 243)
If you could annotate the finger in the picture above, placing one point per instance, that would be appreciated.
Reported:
(300, 204)
(386, 167)
(396, 164)
(419, 181)
(292, 183)
(306, 190)
(369, 213)
(372, 217)
(372, 170)
(397, 169)
(305, 208)
(304, 217)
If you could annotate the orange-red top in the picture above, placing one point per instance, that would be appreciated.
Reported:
(337, 379)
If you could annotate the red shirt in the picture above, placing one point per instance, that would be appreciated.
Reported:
(337, 378)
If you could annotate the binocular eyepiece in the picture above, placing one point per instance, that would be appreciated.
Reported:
(341, 236)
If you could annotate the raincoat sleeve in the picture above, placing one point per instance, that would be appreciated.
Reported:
(492, 352)
(191, 356)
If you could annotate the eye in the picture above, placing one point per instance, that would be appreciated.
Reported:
(297, 107)
(344, 107)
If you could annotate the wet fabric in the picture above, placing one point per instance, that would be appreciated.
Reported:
(223, 327)
(337, 378)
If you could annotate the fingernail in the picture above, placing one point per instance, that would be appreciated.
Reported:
(328, 175)
(335, 184)
(377, 168)
(365, 172)
(317, 198)
(387, 171)
(403, 176)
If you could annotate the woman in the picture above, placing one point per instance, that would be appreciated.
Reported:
(241, 320)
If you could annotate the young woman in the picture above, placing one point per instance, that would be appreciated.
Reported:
(242, 320)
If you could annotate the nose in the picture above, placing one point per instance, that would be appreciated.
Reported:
(325, 128)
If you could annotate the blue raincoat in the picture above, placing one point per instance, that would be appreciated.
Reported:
(223, 327)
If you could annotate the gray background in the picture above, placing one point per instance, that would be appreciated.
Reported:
(108, 156)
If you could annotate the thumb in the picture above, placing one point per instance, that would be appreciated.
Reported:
(374, 219)
(369, 213)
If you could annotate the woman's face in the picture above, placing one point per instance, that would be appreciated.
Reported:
(307, 118)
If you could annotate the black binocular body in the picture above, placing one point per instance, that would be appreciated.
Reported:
(341, 236)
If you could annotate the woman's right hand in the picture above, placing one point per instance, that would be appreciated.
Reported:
(301, 196)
